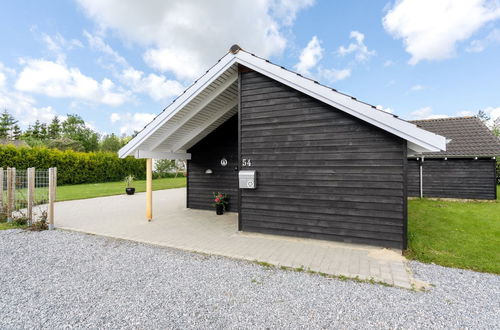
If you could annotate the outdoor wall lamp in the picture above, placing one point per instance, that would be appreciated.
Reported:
(208, 171)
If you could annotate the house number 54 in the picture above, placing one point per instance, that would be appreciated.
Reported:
(246, 162)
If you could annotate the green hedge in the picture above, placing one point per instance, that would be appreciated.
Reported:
(74, 167)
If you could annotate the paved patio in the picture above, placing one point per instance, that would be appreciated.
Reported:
(176, 226)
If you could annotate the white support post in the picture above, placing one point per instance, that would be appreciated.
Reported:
(31, 193)
(52, 197)
(149, 189)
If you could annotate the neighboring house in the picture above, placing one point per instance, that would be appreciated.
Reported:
(465, 170)
(327, 166)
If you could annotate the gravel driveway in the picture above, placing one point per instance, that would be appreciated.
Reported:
(68, 280)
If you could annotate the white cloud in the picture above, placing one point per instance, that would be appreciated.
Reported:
(430, 29)
(286, 10)
(309, 57)
(494, 113)
(187, 37)
(479, 45)
(465, 113)
(358, 47)
(388, 110)
(158, 87)
(58, 44)
(417, 87)
(333, 75)
(57, 80)
(114, 117)
(388, 63)
(426, 113)
(130, 122)
(21, 106)
(3, 79)
(97, 43)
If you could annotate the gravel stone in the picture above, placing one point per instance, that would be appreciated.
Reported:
(58, 279)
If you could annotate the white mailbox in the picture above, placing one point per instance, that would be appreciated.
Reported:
(247, 179)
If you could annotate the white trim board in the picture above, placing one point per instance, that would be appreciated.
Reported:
(419, 140)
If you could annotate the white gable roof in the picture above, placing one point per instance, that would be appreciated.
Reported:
(213, 99)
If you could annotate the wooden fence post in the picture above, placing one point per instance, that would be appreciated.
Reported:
(52, 196)
(11, 190)
(30, 172)
(1, 190)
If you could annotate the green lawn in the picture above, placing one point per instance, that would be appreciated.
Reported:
(7, 225)
(82, 191)
(455, 234)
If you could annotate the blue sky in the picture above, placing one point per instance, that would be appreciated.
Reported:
(117, 63)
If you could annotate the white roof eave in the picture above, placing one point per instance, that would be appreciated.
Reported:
(417, 137)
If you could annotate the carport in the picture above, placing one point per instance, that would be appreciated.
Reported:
(316, 163)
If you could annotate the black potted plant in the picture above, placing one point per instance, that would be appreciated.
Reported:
(220, 202)
(129, 179)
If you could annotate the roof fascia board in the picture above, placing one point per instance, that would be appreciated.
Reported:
(403, 129)
(199, 107)
(178, 104)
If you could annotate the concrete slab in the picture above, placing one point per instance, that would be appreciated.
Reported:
(176, 226)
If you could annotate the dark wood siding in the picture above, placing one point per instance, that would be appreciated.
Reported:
(413, 178)
(320, 172)
(456, 178)
(207, 154)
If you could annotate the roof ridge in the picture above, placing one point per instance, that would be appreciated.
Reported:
(443, 119)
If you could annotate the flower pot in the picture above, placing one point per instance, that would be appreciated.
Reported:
(219, 209)
(130, 191)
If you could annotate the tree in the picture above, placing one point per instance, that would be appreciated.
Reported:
(54, 130)
(111, 143)
(74, 128)
(35, 130)
(496, 127)
(44, 132)
(164, 167)
(16, 132)
(7, 121)
(481, 114)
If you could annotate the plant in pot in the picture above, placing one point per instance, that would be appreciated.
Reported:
(129, 179)
(220, 202)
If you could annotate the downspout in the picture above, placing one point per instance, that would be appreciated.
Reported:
(421, 177)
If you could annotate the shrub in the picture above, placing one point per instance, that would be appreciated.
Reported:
(20, 221)
(74, 167)
(39, 225)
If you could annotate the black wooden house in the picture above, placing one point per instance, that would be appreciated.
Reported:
(466, 170)
(297, 158)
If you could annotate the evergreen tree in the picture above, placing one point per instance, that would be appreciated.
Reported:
(16, 132)
(7, 121)
(44, 133)
(28, 132)
(55, 128)
(35, 130)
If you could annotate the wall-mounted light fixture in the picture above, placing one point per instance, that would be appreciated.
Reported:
(208, 171)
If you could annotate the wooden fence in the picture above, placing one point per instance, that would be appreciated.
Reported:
(29, 193)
